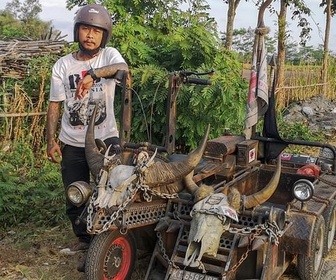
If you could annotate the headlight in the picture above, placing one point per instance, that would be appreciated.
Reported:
(303, 189)
(78, 192)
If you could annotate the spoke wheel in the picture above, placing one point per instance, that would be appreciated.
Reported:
(111, 256)
(309, 267)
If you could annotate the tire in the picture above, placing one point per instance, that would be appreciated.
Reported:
(111, 256)
(309, 268)
(330, 226)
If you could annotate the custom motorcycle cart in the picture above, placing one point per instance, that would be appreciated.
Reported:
(235, 208)
(265, 209)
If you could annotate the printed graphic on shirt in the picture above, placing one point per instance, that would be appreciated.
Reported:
(80, 110)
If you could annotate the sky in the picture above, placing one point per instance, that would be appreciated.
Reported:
(246, 17)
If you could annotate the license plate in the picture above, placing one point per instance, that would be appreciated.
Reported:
(178, 274)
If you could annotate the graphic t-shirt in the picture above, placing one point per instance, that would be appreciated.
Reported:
(66, 74)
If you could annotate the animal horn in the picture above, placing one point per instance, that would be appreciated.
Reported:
(162, 173)
(189, 183)
(94, 158)
(264, 194)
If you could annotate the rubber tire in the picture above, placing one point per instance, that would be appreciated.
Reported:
(309, 268)
(330, 226)
(111, 255)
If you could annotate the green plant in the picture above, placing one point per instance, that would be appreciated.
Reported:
(30, 190)
(298, 131)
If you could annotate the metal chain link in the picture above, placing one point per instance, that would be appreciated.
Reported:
(148, 193)
(163, 251)
(132, 191)
(330, 183)
(316, 198)
(271, 229)
(252, 236)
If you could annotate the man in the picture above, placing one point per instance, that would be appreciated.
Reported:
(81, 80)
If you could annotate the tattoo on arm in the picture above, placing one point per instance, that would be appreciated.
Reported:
(52, 120)
(110, 70)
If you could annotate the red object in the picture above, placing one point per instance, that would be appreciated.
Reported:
(310, 170)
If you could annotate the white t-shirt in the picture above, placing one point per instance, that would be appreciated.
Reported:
(66, 73)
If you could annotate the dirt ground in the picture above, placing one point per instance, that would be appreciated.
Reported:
(34, 254)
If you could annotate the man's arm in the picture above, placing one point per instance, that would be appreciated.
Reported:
(103, 72)
(109, 70)
(53, 115)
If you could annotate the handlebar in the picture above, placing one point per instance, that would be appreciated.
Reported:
(147, 146)
(195, 80)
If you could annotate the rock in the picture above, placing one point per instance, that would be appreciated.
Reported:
(308, 111)
(318, 113)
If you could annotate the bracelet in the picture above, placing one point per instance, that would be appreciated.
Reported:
(92, 74)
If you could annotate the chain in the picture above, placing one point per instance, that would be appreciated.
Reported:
(132, 190)
(163, 251)
(90, 210)
(212, 212)
(252, 236)
(271, 229)
(330, 183)
(148, 193)
(321, 199)
(302, 210)
(316, 198)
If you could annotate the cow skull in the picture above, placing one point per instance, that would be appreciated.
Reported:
(211, 217)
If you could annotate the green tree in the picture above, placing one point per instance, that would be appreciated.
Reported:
(20, 20)
(231, 13)
(242, 43)
(330, 10)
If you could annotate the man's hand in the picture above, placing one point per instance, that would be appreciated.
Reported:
(83, 87)
(53, 151)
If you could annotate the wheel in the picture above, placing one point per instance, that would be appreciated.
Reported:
(111, 256)
(330, 226)
(309, 267)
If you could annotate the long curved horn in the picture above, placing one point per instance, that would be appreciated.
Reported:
(94, 158)
(189, 183)
(264, 194)
(162, 173)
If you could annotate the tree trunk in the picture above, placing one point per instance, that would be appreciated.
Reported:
(280, 98)
(326, 49)
(233, 4)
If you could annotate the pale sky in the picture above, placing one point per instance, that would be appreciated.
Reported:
(247, 13)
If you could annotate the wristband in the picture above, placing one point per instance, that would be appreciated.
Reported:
(92, 74)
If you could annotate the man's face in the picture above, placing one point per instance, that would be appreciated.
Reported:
(90, 37)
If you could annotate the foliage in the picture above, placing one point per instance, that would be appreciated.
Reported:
(333, 6)
(297, 131)
(20, 20)
(296, 54)
(243, 39)
(29, 192)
